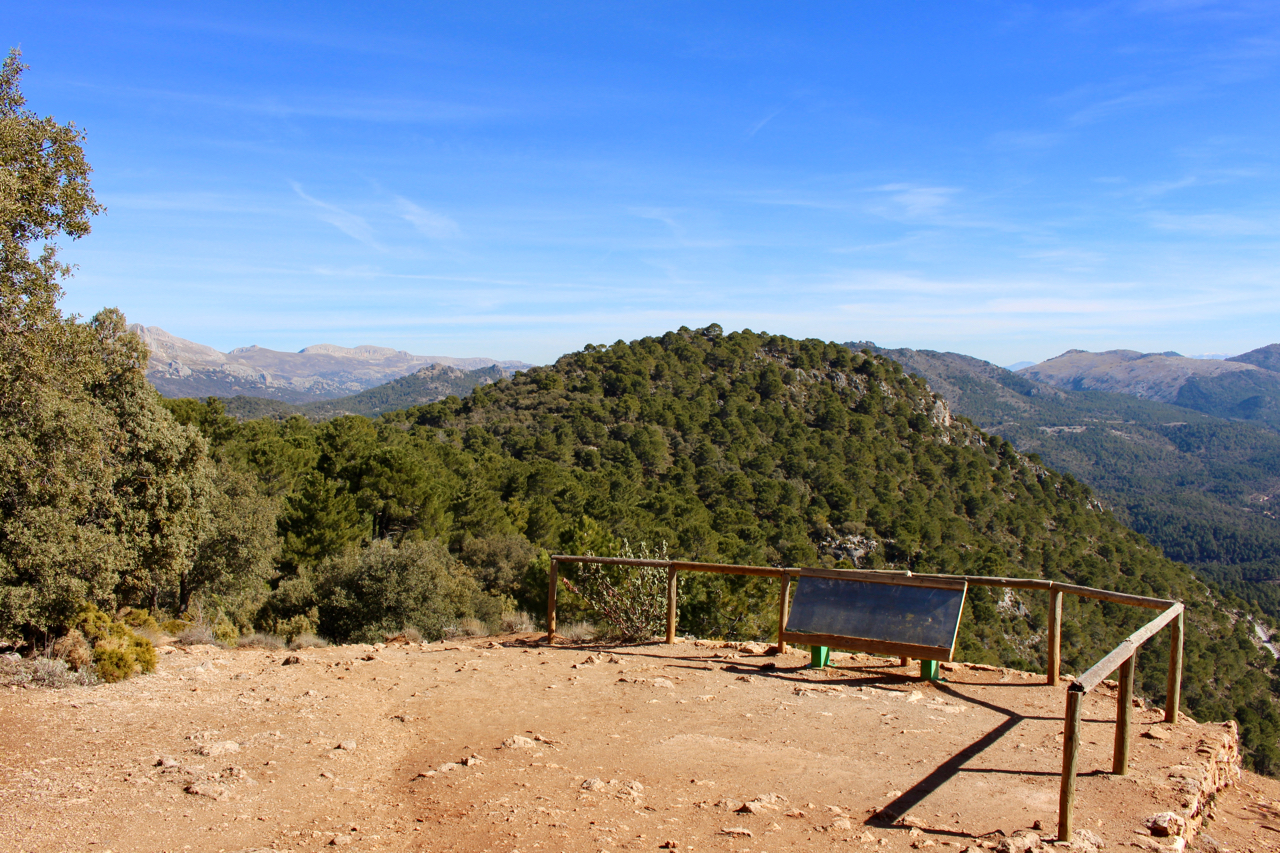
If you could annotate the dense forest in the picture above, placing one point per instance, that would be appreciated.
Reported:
(739, 447)
(1197, 486)
(119, 511)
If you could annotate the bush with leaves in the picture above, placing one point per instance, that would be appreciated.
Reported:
(118, 652)
(631, 600)
(364, 594)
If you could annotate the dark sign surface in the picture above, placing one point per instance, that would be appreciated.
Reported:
(919, 615)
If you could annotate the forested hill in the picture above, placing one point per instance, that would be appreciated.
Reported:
(748, 448)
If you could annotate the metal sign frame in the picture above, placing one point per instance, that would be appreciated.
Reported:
(881, 646)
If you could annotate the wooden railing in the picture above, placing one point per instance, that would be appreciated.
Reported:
(1122, 657)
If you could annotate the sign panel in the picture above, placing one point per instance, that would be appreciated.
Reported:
(887, 613)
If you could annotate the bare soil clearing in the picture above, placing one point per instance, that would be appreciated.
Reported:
(509, 745)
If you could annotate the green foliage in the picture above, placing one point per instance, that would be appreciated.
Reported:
(631, 600)
(118, 652)
(366, 594)
(1195, 486)
(104, 496)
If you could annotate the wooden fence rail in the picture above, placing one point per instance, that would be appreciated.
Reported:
(1122, 658)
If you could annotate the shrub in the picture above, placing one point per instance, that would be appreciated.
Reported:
(516, 623)
(307, 641)
(259, 640)
(118, 652)
(114, 661)
(174, 627)
(224, 632)
(139, 620)
(44, 672)
(472, 627)
(409, 634)
(366, 593)
(631, 600)
(579, 632)
(196, 635)
(74, 649)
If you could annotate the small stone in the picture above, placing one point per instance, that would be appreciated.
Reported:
(750, 808)
(166, 761)
(663, 682)
(1021, 841)
(736, 832)
(207, 789)
(1165, 824)
(290, 660)
(1084, 839)
(340, 840)
(794, 813)
(842, 823)
(1156, 733)
(327, 775)
(447, 766)
(594, 785)
(347, 745)
(519, 742)
(472, 761)
(224, 747)
(669, 845)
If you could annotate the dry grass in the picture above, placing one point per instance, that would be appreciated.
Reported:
(579, 632)
(197, 635)
(44, 672)
(307, 641)
(517, 623)
(259, 640)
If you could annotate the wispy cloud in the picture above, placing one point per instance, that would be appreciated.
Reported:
(437, 226)
(915, 202)
(341, 106)
(755, 128)
(348, 223)
(1138, 99)
(1220, 224)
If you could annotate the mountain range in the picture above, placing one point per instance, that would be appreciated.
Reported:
(1243, 387)
(1201, 486)
(182, 368)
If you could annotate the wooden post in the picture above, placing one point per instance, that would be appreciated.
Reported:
(784, 604)
(1124, 717)
(1173, 691)
(904, 661)
(671, 606)
(1055, 636)
(1070, 756)
(553, 585)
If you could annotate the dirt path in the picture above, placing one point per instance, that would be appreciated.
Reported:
(402, 748)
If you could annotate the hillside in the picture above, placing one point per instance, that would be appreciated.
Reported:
(426, 385)
(1245, 387)
(182, 368)
(744, 447)
(1198, 487)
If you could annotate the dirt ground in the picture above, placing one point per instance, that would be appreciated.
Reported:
(509, 745)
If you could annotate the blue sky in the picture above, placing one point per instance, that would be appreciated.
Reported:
(517, 180)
